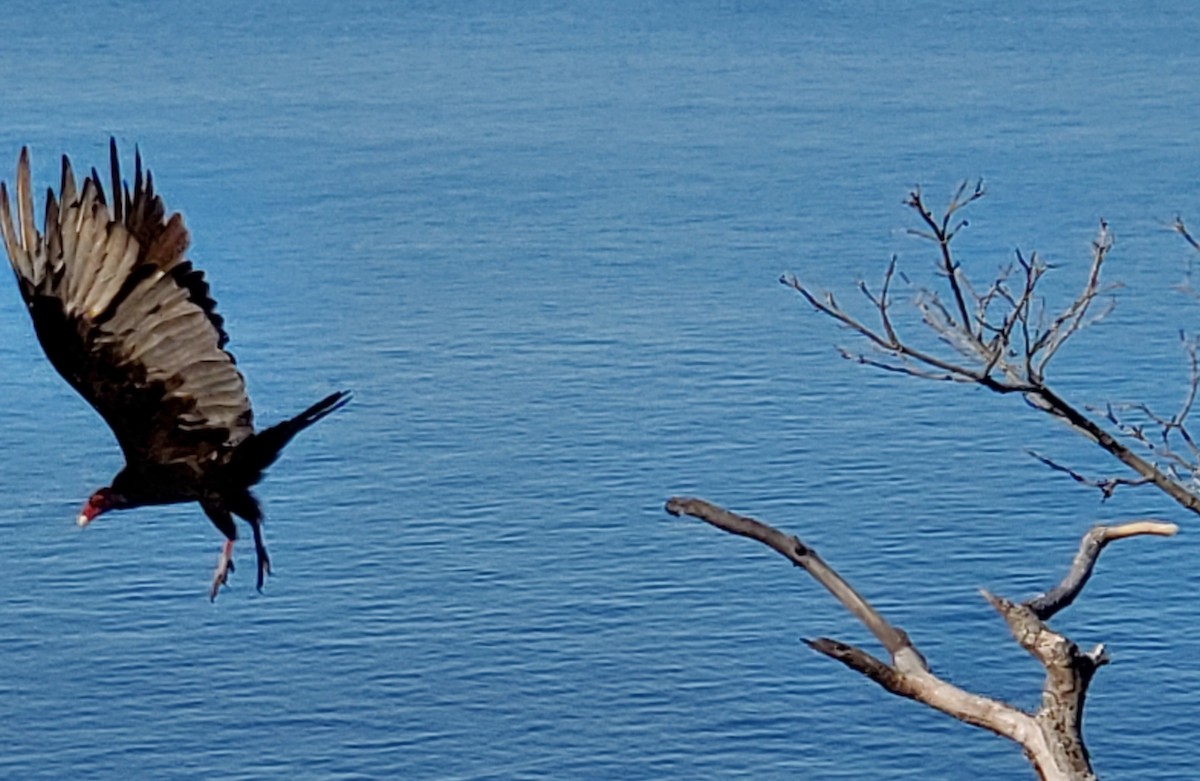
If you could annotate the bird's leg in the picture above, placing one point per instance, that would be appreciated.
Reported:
(264, 561)
(224, 567)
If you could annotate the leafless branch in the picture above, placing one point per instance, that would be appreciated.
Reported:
(1153, 433)
(894, 640)
(1072, 318)
(943, 233)
(1044, 606)
(1167, 441)
(1050, 737)
(997, 335)
(1180, 419)
(1182, 230)
(1106, 485)
(1186, 287)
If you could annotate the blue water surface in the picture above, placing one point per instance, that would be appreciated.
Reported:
(541, 241)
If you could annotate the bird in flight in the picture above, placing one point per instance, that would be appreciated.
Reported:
(129, 323)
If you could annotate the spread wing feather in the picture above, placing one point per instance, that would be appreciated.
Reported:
(124, 317)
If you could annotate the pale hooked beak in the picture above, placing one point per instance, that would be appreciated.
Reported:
(86, 515)
(97, 504)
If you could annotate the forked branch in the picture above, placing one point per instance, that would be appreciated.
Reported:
(1051, 737)
(998, 335)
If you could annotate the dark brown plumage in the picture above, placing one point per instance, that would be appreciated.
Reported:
(130, 324)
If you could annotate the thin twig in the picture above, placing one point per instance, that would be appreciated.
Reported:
(1106, 485)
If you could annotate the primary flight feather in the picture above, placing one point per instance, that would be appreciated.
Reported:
(128, 321)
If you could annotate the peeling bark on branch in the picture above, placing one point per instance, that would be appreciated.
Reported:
(1051, 737)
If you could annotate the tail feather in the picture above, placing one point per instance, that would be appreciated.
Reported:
(259, 451)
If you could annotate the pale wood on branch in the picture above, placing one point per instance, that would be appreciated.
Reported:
(1051, 737)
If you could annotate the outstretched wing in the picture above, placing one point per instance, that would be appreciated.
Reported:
(124, 317)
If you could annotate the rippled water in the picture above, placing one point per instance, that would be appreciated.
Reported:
(540, 241)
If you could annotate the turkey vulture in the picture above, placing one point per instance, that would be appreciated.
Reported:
(130, 324)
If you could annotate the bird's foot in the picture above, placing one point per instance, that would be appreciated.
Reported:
(221, 573)
(264, 568)
(264, 561)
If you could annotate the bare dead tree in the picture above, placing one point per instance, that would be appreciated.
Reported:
(1001, 336)
(1051, 737)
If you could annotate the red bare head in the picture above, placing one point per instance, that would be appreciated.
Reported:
(99, 503)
